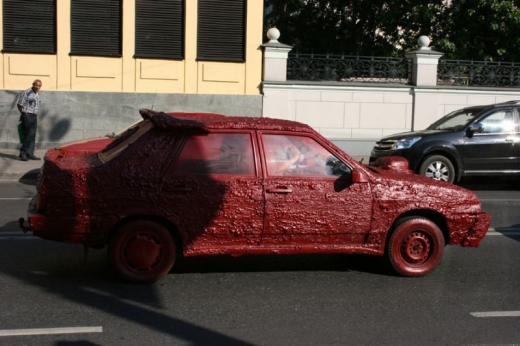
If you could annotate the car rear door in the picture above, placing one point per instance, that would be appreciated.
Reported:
(497, 148)
(304, 203)
(214, 192)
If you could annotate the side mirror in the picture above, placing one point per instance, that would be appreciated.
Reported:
(475, 128)
(358, 176)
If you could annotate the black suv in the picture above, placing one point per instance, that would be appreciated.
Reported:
(477, 140)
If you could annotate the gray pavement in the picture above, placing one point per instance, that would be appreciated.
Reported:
(11, 167)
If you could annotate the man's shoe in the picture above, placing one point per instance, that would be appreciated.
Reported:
(32, 157)
(23, 157)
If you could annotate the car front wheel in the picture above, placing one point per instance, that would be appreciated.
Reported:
(438, 167)
(415, 246)
(142, 251)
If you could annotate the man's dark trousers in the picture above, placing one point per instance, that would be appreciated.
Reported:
(29, 122)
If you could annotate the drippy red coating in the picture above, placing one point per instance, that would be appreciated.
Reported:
(84, 200)
(393, 163)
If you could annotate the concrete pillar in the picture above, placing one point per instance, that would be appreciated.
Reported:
(425, 61)
(275, 57)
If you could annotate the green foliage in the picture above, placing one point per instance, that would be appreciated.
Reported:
(467, 29)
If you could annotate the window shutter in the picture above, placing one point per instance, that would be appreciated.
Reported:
(96, 27)
(221, 30)
(159, 29)
(29, 26)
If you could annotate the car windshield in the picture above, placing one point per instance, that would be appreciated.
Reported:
(124, 140)
(455, 121)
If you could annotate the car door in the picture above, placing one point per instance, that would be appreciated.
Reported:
(215, 193)
(306, 203)
(497, 148)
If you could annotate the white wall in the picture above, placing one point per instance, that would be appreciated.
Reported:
(356, 116)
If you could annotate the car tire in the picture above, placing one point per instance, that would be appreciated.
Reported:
(142, 251)
(438, 167)
(415, 246)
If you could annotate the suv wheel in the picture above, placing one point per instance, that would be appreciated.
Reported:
(438, 167)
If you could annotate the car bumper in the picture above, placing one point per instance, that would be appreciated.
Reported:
(469, 229)
(63, 229)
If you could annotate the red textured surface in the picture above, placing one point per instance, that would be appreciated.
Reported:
(84, 200)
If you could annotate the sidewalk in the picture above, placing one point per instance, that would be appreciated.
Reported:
(11, 167)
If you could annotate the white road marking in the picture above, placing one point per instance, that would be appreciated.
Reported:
(496, 314)
(503, 231)
(46, 331)
(15, 199)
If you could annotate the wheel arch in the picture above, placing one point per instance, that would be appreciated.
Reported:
(449, 154)
(432, 215)
(170, 226)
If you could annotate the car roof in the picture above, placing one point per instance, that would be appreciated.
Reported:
(207, 121)
(494, 105)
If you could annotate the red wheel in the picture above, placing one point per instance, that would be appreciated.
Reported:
(415, 246)
(142, 251)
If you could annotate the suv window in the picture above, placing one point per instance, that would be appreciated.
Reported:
(216, 153)
(499, 122)
(456, 120)
(298, 156)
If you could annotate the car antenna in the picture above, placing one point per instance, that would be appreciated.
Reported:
(154, 96)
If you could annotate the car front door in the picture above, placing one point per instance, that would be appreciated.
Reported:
(497, 147)
(306, 203)
(215, 194)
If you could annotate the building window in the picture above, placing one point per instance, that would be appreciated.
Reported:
(221, 30)
(29, 26)
(96, 27)
(159, 29)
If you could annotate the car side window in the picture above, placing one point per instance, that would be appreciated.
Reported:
(216, 153)
(299, 156)
(499, 122)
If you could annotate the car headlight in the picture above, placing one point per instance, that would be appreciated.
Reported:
(405, 143)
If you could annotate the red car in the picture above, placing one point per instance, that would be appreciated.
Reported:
(205, 184)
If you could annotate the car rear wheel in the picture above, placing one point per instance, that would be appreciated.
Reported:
(438, 167)
(142, 251)
(415, 246)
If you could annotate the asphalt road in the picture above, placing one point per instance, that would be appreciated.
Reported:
(471, 298)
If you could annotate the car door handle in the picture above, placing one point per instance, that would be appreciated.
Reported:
(279, 190)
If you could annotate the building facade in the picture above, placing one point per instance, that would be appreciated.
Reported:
(101, 60)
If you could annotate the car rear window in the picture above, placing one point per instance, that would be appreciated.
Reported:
(216, 153)
(121, 143)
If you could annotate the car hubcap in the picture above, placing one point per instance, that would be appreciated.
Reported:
(416, 248)
(142, 252)
(438, 170)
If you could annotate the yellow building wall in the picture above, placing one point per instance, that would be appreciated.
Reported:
(128, 74)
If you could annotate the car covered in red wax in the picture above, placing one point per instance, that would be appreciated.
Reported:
(203, 184)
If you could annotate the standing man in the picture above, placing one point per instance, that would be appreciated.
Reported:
(28, 104)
